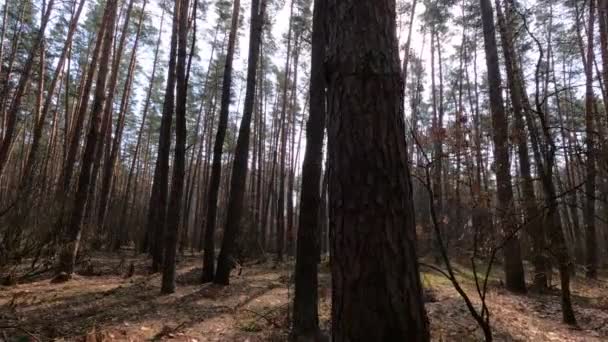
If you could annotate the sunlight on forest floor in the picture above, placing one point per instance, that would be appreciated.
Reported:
(108, 307)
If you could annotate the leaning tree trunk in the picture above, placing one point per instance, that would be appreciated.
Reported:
(73, 231)
(11, 115)
(40, 120)
(376, 289)
(74, 130)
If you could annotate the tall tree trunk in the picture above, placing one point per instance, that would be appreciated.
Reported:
(289, 231)
(514, 270)
(376, 290)
(241, 154)
(109, 167)
(157, 209)
(77, 121)
(589, 208)
(71, 237)
(531, 213)
(436, 136)
(603, 28)
(306, 300)
(189, 189)
(127, 194)
(280, 237)
(179, 160)
(106, 126)
(216, 169)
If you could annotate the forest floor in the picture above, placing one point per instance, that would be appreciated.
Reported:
(108, 306)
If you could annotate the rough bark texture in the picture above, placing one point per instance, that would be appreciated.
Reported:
(514, 270)
(241, 154)
(376, 290)
(305, 309)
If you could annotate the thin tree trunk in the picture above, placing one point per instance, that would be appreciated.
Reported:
(109, 167)
(514, 271)
(77, 122)
(127, 194)
(241, 154)
(589, 216)
(306, 300)
(157, 209)
(532, 216)
(289, 232)
(40, 120)
(280, 237)
(179, 161)
(216, 169)
(106, 126)
(11, 114)
(71, 238)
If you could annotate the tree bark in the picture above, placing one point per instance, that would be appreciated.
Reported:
(78, 117)
(514, 270)
(179, 160)
(589, 207)
(306, 300)
(241, 154)
(376, 290)
(216, 168)
(157, 209)
(135, 157)
(71, 238)
(532, 216)
(110, 167)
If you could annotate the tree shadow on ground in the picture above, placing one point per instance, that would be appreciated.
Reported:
(125, 303)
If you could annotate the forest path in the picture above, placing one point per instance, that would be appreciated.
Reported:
(110, 307)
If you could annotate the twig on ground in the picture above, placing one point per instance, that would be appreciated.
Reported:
(16, 327)
(264, 316)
